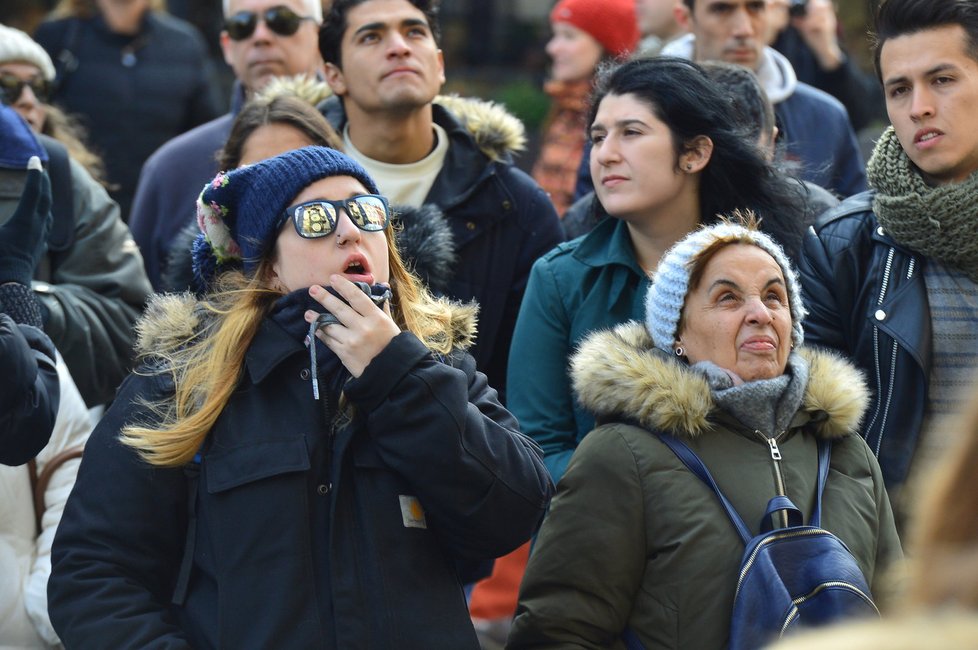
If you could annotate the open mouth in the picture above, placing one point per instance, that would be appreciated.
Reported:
(355, 268)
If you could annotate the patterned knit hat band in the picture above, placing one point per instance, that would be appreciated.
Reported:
(239, 211)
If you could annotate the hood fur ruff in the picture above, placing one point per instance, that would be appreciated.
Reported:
(619, 372)
(171, 320)
(496, 132)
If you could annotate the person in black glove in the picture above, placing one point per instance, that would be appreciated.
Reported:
(29, 390)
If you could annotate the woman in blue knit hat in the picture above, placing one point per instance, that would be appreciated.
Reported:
(301, 457)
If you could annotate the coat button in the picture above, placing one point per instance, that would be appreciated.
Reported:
(507, 205)
(470, 225)
(879, 231)
(304, 374)
(880, 314)
(323, 490)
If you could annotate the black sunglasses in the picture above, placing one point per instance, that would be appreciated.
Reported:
(314, 219)
(280, 19)
(11, 87)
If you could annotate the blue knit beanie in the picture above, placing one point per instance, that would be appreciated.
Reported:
(239, 211)
(667, 294)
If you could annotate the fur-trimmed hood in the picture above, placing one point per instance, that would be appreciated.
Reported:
(171, 320)
(496, 132)
(620, 373)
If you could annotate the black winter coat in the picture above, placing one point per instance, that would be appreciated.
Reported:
(299, 532)
(29, 391)
(866, 298)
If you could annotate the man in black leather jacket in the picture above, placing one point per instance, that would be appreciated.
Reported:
(890, 277)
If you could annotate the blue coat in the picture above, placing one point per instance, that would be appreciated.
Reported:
(590, 283)
(300, 531)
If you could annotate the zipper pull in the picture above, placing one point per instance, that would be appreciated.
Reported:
(775, 452)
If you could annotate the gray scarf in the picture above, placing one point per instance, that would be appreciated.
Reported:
(765, 405)
(938, 222)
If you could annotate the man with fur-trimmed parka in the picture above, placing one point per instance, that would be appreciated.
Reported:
(385, 69)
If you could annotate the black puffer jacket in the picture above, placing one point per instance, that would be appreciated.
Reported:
(866, 298)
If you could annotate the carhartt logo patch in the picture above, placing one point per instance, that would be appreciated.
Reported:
(411, 512)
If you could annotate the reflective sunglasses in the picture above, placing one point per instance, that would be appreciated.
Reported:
(314, 219)
(11, 87)
(280, 19)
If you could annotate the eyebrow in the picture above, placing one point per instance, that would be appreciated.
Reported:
(620, 123)
(940, 67)
(723, 282)
(381, 26)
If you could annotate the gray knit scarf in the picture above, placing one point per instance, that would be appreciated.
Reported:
(938, 222)
(765, 405)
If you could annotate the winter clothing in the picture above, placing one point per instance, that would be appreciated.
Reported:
(135, 92)
(239, 212)
(28, 390)
(500, 219)
(814, 125)
(23, 237)
(25, 553)
(610, 22)
(587, 284)
(17, 46)
(667, 295)
(938, 222)
(19, 142)
(866, 298)
(563, 140)
(335, 533)
(945, 629)
(91, 284)
(633, 538)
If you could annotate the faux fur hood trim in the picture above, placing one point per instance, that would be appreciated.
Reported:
(172, 320)
(620, 373)
(497, 132)
(305, 87)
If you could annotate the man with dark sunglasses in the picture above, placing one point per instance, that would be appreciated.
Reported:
(262, 39)
(451, 156)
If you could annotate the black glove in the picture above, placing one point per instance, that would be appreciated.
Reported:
(24, 237)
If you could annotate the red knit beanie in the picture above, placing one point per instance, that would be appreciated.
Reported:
(611, 22)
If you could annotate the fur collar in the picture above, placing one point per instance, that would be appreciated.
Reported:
(495, 130)
(172, 320)
(619, 372)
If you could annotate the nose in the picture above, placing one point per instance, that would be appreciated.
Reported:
(262, 32)
(552, 47)
(397, 45)
(743, 26)
(757, 312)
(27, 100)
(605, 152)
(922, 104)
(346, 230)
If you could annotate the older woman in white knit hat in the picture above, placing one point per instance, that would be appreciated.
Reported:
(635, 541)
(26, 74)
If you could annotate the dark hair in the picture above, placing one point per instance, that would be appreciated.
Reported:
(334, 26)
(751, 109)
(738, 176)
(901, 17)
(282, 109)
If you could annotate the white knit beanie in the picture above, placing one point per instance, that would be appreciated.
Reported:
(667, 294)
(15, 45)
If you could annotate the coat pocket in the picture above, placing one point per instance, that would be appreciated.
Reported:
(231, 468)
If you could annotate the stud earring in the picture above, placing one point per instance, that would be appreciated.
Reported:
(680, 352)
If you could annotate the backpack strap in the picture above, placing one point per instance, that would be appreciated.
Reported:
(62, 233)
(40, 480)
(696, 466)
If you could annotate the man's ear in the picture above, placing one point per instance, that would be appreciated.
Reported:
(335, 78)
(226, 48)
(697, 155)
(683, 15)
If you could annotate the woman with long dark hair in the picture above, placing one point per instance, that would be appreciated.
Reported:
(667, 157)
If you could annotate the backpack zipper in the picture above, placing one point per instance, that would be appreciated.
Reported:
(794, 611)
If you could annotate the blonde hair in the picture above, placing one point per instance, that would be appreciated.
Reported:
(207, 366)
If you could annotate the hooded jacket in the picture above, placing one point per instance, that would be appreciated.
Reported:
(814, 125)
(633, 538)
(500, 219)
(295, 529)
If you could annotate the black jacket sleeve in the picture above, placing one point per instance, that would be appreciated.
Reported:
(482, 483)
(29, 391)
(118, 548)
